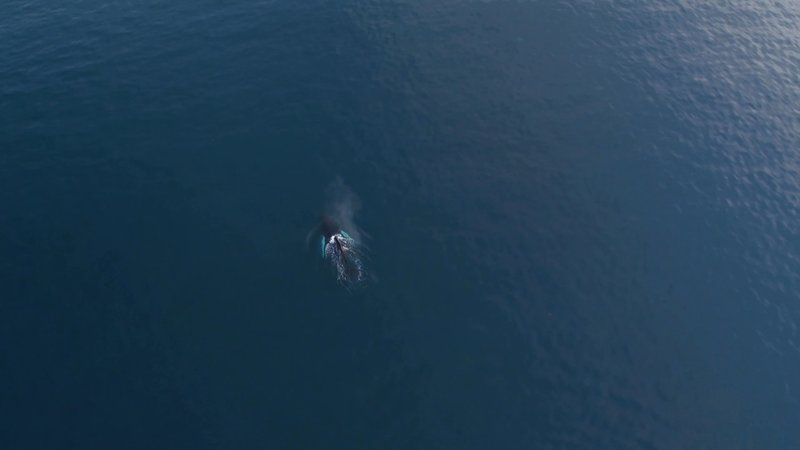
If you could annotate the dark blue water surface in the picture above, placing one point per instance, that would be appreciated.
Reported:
(584, 221)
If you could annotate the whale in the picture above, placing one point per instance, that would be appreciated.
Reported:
(343, 253)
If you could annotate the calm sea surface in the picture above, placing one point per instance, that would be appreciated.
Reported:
(583, 219)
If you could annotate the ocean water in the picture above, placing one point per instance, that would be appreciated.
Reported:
(582, 219)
